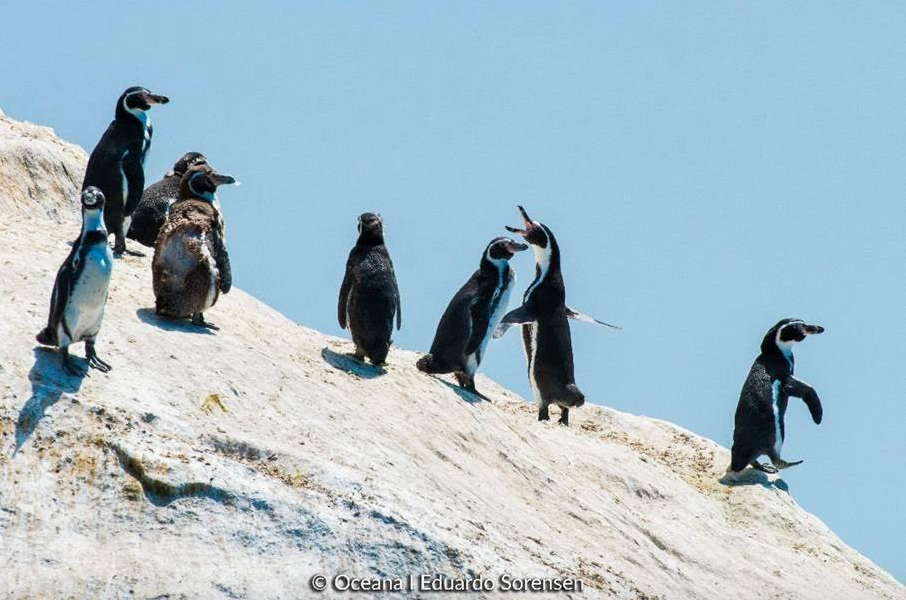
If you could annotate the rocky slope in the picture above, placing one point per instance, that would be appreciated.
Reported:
(240, 463)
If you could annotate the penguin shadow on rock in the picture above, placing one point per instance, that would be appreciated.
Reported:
(752, 476)
(48, 384)
(149, 316)
(467, 395)
(348, 363)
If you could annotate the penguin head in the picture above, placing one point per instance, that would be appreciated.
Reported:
(92, 198)
(535, 233)
(136, 100)
(787, 332)
(541, 239)
(371, 228)
(189, 159)
(201, 181)
(502, 249)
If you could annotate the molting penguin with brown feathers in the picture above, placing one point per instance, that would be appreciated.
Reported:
(544, 317)
(369, 295)
(191, 266)
(151, 212)
(117, 164)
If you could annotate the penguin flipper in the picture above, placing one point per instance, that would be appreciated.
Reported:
(396, 303)
(135, 180)
(222, 259)
(345, 288)
(800, 389)
(479, 326)
(62, 288)
(580, 316)
(517, 316)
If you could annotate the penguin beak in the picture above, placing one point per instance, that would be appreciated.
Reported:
(812, 329)
(153, 99)
(529, 224)
(514, 247)
(224, 179)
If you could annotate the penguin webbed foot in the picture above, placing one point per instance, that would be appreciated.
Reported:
(468, 384)
(134, 252)
(779, 463)
(564, 417)
(94, 361)
(764, 468)
(198, 321)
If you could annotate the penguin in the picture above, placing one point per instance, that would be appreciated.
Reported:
(152, 210)
(191, 267)
(472, 316)
(762, 403)
(116, 165)
(369, 295)
(80, 289)
(544, 317)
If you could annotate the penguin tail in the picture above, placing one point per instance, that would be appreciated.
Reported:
(426, 364)
(46, 337)
(379, 354)
(577, 396)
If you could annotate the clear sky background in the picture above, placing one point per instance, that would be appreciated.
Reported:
(707, 168)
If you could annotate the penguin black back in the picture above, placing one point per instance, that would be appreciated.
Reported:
(472, 315)
(116, 165)
(151, 212)
(759, 422)
(544, 317)
(369, 296)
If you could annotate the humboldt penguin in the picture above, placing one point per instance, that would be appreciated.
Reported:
(544, 317)
(151, 212)
(116, 165)
(472, 316)
(369, 295)
(80, 289)
(762, 404)
(191, 267)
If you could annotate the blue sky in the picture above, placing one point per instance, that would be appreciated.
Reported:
(707, 168)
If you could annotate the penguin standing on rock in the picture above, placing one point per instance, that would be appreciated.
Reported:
(472, 316)
(544, 317)
(369, 296)
(151, 212)
(80, 289)
(191, 267)
(762, 404)
(116, 165)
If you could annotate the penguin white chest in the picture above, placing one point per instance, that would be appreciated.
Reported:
(85, 308)
(775, 405)
(502, 299)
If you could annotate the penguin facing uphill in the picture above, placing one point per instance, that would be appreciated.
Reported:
(544, 317)
(80, 289)
(116, 164)
(191, 266)
(763, 400)
(369, 296)
(472, 316)
(151, 212)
